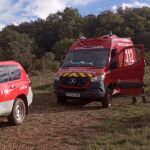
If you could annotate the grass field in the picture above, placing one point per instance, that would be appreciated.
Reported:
(124, 127)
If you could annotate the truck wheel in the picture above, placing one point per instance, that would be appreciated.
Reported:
(107, 102)
(61, 100)
(18, 112)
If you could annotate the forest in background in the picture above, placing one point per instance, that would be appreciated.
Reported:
(38, 45)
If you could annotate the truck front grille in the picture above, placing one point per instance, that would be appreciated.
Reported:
(74, 82)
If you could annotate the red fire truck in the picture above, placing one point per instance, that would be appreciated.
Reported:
(95, 69)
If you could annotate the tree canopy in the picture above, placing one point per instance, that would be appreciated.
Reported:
(59, 30)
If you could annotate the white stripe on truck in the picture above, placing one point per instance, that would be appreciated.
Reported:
(6, 108)
(30, 96)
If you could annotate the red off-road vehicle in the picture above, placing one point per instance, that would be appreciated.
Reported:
(15, 92)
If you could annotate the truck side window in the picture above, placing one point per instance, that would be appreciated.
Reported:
(15, 72)
(132, 56)
(4, 76)
(138, 54)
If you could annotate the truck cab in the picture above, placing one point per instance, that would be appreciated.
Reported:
(95, 69)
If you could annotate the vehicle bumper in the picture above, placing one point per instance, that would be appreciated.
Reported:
(95, 91)
(30, 96)
(6, 108)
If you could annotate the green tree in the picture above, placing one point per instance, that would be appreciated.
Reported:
(109, 21)
(72, 22)
(89, 25)
(62, 47)
(51, 34)
(16, 46)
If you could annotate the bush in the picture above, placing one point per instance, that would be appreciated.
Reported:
(62, 47)
(54, 66)
(16, 46)
(36, 65)
(35, 73)
(43, 64)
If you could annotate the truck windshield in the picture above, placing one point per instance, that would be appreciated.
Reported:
(87, 58)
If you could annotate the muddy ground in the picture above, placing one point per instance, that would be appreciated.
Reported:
(50, 126)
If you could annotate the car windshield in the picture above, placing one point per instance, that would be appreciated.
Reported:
(87, 58)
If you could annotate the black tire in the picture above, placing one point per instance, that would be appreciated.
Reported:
(18, 113)
(107, 101)
(61, 100)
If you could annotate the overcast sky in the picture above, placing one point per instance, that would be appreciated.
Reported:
(17, 11)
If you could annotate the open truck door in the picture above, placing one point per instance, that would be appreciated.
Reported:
(127, 70)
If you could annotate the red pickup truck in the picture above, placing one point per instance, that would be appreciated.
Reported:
(95, 69)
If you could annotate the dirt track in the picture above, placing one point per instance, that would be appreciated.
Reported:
(53, 127)
(50, 126)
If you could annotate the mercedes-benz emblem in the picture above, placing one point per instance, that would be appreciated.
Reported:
(72, 81)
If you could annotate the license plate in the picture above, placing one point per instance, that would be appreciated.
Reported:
(72, 94)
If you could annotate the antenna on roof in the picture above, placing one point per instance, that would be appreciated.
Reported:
(110, 33)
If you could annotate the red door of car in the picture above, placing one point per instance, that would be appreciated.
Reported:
(129, 73)
(15, 83)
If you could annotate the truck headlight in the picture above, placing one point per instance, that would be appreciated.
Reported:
(98, 78)
(57, 78)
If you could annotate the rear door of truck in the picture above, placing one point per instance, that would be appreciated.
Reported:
(129, 73)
